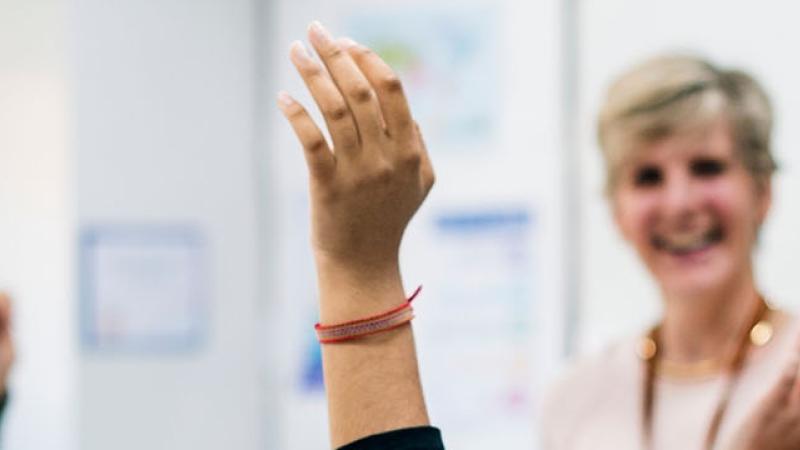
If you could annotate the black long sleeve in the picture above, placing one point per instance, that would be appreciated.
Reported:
(417, 438)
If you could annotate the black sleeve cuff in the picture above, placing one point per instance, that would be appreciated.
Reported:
(3, 403)
(417, 438)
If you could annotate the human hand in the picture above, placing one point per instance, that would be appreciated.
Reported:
(775, 423)
(366, 188)
(364, 191)
(6, 342)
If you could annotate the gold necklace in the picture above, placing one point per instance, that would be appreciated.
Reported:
(760, 333)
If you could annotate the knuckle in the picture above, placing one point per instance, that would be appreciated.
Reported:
(337, 112)
(361, 94)
(334, 51)
(363, 51)
(295, 111)
(316, 145)
(383, 174)
(392, 84)
(380, 175)
(412, 159)
(314, 72)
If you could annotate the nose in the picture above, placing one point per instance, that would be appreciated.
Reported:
(680, 195)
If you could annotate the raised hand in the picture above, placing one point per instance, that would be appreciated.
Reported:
(367, 187)
(775, 423)
(364, 191)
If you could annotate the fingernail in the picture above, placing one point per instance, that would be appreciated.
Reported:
(284, 99)
(347, 43)
(319, 33)
(298, 52)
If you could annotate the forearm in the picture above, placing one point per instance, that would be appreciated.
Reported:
(372, 383)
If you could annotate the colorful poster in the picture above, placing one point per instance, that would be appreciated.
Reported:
(448, 63)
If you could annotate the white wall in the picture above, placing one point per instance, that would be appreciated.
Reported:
(164, 128)
(119, 112)
(36, 223)
(618, 298)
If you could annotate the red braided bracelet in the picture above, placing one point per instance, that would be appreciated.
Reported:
(389, 320)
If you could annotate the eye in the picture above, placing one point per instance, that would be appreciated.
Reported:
(647, 176)
(708, 167)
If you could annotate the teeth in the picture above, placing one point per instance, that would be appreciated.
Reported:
(685, 239)
(687, 242)
(687, 246)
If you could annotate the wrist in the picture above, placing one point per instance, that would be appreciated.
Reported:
(351, 291)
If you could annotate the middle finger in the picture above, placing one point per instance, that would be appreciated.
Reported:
(354, 86)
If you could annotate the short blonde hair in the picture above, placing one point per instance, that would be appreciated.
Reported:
(672, 93)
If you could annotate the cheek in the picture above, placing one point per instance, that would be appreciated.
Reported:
(635, 215)
(735, 206)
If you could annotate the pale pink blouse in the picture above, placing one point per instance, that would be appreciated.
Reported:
(597, 404)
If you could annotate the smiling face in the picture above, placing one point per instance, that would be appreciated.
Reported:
(691, 209)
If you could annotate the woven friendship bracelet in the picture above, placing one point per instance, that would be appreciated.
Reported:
(389, 320)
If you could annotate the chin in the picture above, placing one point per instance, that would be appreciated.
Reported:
(697, 280)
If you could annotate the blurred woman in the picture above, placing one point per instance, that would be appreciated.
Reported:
(689, 169)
